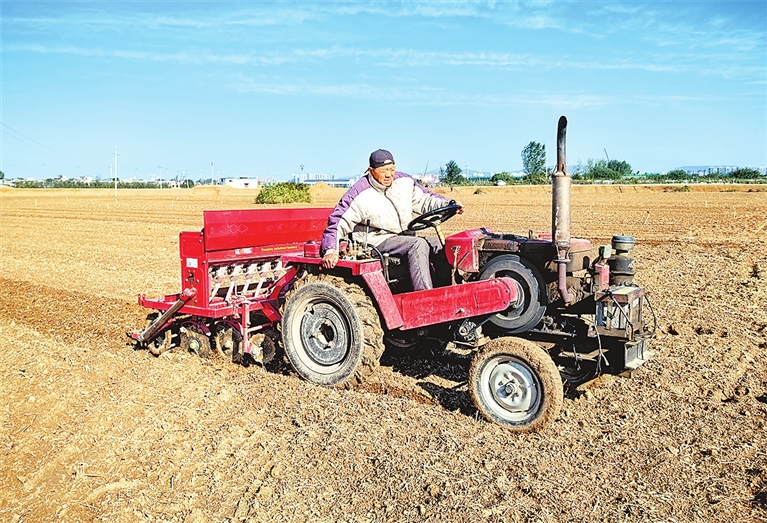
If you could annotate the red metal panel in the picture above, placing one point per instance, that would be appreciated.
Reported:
(602, 274)
(194, 267)
(461, 249)
(430, 307)
(267, 252)
(383, 296)
(358, 267)
(236, 229)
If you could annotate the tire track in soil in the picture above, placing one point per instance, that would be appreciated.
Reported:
(70, 316)
(75, 317)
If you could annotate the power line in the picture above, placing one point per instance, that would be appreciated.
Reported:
(39, 147)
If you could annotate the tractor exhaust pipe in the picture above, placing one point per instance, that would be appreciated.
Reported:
(560, 211)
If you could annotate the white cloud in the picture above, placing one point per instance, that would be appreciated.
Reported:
(418, 95)
(728, 64)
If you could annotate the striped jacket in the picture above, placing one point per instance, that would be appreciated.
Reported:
(389, 210)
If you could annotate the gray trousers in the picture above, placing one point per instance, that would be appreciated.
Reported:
(420, 252)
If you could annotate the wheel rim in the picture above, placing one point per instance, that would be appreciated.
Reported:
(511, 388)
(324, 335)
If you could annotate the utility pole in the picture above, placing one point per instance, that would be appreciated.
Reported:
(115, 171)
(211, 171)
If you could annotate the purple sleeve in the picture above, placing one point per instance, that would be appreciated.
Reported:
(330, 235)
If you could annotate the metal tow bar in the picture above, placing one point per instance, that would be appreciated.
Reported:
(157, 324)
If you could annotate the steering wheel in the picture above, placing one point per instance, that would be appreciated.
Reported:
(434, 218)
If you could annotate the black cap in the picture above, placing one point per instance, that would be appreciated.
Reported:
(380, 158)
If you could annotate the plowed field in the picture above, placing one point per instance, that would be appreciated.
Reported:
(92, 430)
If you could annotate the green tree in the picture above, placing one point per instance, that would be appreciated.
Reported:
(451, 175)
(602, 170)
(746, 174)
(2, 175)
(284, 192)
(622, 168)
(534, 159)
(502, 176)
(677, 174)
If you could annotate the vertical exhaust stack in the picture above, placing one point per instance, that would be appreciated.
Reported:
(560, 211)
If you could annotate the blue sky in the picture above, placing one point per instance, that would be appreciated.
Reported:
(261, 88)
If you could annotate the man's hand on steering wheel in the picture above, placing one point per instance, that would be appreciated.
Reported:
(435, 217)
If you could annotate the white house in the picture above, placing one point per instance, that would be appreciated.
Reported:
(242, 183)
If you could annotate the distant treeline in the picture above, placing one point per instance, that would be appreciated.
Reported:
(600, 174)
(79, 184)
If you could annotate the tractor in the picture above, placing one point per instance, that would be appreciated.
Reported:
(535, 311)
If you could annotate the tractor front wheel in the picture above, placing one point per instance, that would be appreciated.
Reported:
(515, 383)
(331, 331)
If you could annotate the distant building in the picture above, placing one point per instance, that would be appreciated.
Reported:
(329, 179)
(241, 183)
(705, 170)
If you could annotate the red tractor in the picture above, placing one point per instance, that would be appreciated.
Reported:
(535, 311)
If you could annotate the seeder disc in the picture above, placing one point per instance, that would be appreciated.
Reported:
(192, 339)
(228, 341)
(162, 341)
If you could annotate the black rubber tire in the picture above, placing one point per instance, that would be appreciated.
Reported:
(516, 384)
(351, 329)
(526, 316)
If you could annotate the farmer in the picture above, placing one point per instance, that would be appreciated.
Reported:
(388, 199)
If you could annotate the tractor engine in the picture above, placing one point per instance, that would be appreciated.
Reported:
(580, 301)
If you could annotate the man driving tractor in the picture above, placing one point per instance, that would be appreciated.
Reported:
(380, 205)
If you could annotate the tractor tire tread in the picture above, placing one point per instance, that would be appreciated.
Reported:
(538, 360)
(373, 345)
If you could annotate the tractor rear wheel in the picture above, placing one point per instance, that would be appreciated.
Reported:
(525, 316)
(331, 331)
(515, 383)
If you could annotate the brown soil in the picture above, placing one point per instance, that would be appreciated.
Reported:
(94, 430)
